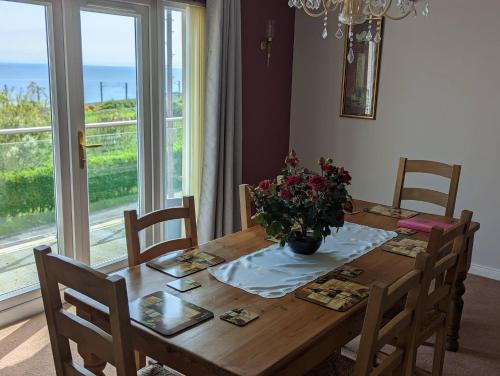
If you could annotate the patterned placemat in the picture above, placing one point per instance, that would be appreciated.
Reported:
(405, 247)
(167, 314)
(182, 263)
(391, 212)
(334, 292)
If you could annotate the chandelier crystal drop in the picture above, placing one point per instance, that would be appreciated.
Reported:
(356, 12)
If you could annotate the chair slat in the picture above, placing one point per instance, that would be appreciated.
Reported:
(401, 287)
(165, 247)
(429, 167)
(437, 296)
(163, 215)
(426, 195)
(453, 232)
(77, 276)
(395, 326)
(86, 334)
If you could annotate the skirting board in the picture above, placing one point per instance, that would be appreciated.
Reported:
(485, 271)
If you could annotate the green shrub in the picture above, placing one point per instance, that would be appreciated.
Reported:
(31, 190)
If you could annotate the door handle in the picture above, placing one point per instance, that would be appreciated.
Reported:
(82, 146)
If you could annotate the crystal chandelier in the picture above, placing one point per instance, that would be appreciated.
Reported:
(356, 12)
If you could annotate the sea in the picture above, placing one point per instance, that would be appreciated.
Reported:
(101, 82)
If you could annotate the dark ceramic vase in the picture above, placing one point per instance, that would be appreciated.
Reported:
(305, 245)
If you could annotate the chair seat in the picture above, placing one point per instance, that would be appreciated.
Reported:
(155, 370)
(335, 365)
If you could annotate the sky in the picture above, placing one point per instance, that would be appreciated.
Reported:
(107, 39)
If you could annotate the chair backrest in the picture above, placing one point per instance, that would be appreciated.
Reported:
(446, 200)
(133, 225)
(446, 249)
(246, 207)
(116, 348)
(399, 329)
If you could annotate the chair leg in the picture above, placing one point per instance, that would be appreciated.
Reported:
(439, 351)
(140, 360)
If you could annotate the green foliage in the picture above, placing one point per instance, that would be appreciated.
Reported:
(26, 167)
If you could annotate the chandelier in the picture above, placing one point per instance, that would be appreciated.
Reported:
(356, 12)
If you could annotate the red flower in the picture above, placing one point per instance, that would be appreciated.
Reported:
(291, 159)
(285, 193)
(344, 176)
(293, 180)
(264, 184)
(328, 168)
(318, 183)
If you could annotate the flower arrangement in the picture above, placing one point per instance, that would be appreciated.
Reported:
(300, 204)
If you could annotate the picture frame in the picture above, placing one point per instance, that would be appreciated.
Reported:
(360, 79)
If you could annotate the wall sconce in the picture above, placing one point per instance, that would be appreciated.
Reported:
(265, 44)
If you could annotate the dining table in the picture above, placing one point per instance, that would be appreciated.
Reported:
(290, 337)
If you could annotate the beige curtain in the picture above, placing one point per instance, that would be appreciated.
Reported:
(195, 101)
(223, 124)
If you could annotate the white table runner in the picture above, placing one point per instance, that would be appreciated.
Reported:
(273, 272)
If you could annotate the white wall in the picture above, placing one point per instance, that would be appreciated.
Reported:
(438, 99)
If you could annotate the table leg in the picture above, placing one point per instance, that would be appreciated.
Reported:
(90, 361)
(457, 300)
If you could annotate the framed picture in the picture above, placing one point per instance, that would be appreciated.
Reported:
(361, 71)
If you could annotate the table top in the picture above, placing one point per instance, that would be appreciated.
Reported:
(291, 334)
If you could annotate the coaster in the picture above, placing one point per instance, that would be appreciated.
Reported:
(239, 316)
(391, 212)
(184, 284)
(405, 247)
(405, 231)
(334, 292)
(348, 271)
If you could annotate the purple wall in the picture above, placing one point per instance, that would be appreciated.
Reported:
(266, 91)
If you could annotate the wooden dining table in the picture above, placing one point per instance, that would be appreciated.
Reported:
(290, 337)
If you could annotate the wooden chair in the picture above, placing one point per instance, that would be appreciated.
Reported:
(446, 248)
(133, 225)
(116, 347)
(376, 333)
(246, 207)
(423, 194)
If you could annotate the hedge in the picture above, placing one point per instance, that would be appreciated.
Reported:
(31, 190)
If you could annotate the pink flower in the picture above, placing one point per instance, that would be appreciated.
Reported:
(318, 183)
(264, 184)
(293, 180)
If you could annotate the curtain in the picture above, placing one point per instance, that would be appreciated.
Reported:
(222, 145)
(195, 103)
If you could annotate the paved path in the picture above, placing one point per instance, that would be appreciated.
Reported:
(17, 265)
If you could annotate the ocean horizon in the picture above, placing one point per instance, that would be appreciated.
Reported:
(101, 82)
